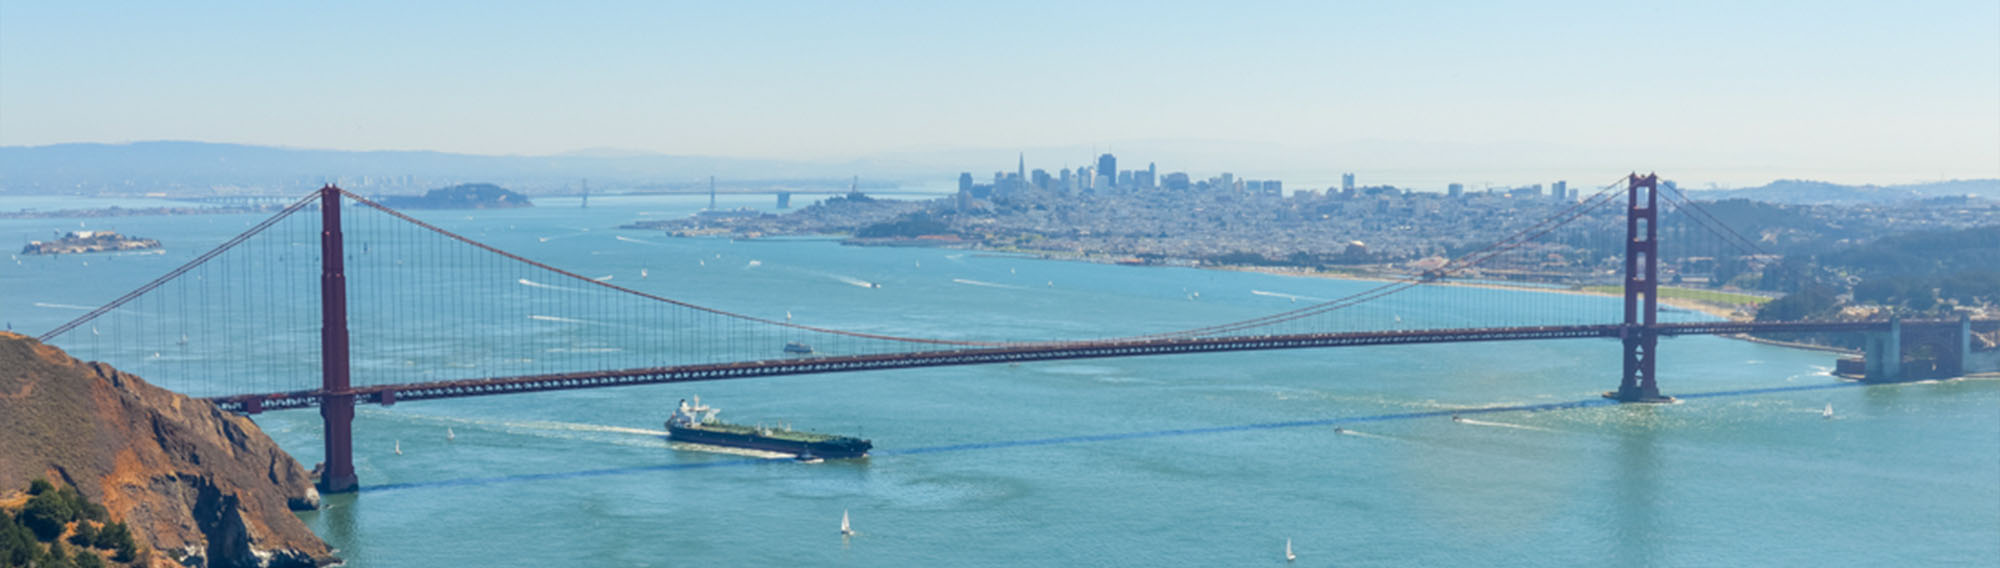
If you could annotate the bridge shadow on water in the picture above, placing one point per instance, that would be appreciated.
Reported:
(1005, 444)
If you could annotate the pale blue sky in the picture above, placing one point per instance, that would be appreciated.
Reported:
(1864, 92)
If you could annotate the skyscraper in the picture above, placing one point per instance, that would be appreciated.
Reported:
(1152, 175)
(1107, 166)
(1021, 168)
(1346, 182)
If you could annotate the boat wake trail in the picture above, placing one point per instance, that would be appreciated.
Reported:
(1292, 297)
(1463, 420)
(986, 284)
(572, 431)
(565, 320)
(562, 236)
(745, 452)
(852, 281)
(582, 427)
(63, 306)
(534, 284)
(1346, 432)
(633, 240)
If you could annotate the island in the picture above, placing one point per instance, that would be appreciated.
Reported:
(76, 242)
(464, 196)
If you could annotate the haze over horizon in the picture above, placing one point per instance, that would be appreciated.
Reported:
(1431, 92)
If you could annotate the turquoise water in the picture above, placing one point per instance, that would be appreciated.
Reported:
(1178, 460)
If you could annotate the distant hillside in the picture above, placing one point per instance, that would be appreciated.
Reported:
(1807, 192)
(467, 196)
(143, 167)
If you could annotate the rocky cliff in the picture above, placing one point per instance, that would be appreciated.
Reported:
(192, 481)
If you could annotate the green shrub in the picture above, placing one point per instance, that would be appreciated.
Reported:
(17, 543)
(114, 536)
(85, 534)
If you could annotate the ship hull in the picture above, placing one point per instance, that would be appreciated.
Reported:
(834, 448)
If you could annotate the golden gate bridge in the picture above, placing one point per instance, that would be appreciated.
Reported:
(244, 303)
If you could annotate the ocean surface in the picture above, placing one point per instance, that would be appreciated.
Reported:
(1350, 453)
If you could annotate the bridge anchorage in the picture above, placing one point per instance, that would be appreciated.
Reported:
(676, 341)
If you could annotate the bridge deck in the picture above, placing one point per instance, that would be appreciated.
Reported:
(391, 394)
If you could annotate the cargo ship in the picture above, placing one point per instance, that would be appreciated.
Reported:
(697, 424)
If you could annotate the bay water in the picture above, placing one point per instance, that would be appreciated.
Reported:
(1351, 453)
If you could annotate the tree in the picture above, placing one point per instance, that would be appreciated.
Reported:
(46, 514)
(1810, 302)
(114, 536)
(85, 534)
(17, 543)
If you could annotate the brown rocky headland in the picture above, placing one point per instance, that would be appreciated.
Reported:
(196, 485)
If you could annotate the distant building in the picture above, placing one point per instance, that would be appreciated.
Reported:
(1107, 165)
(965, 181)
(1347, 182)
(1455, 190)
(1152, 176)
(1561, 192)
(1041, 180)
(1125, 178)
(1177, 181)
(1228, 182)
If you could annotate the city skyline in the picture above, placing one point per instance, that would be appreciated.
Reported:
(1447, 92)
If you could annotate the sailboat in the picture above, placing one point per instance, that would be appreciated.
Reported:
(845, 528)
(642, 273)
(1828, 413)
(450, 435)
(1288, 551)
(184, 339)
(399, 447)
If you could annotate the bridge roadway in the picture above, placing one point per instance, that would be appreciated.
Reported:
(391, 394)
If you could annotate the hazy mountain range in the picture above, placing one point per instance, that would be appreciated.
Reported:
(1818, 192)
(183, 167)
(197, 168)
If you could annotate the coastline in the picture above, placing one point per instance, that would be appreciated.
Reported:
(1723, 312)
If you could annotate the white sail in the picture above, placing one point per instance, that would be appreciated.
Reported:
(845, 529)
(1288, 551)
(1828, 413)
(399, 447)
(450, 435)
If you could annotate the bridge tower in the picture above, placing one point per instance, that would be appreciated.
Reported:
(1642, 286)
(336, 407)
